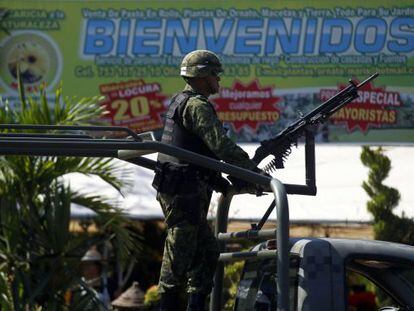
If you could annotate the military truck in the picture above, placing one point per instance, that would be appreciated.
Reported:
(280, 273)
(318, 276)
(285, 273)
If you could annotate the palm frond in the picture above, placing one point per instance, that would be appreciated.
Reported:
(35, 241)
(107, 169)
(22, 93)
(80, 112)
(86, 298)
(111, 219)
(3, 15)
(45, 106)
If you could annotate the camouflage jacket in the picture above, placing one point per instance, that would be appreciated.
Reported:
(200, 118)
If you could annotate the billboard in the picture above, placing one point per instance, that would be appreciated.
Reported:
(281, 59)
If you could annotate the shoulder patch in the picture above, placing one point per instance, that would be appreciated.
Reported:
(196, 100)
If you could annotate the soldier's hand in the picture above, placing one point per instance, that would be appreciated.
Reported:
(221, 184)
(239, 184)
(259, 188)
(246, 187)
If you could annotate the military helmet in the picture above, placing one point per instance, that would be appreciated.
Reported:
(200, 63)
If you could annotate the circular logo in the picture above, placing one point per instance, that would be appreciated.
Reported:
(35, 55)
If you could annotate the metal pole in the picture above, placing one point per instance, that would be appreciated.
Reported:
(282, 243)
(143, 162)
(100, 148)
(248, 234)
(220, 226)
(23, 147)
(44, 127)
(67, 152)
(265, 216)
(235, 256)
(310, 161)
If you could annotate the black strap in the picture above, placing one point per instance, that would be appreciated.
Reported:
(175, 102)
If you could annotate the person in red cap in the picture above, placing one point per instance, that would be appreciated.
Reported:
(361, 300)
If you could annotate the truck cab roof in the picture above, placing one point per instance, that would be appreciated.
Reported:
(319, 268)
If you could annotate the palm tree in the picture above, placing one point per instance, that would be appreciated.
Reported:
(39, 256)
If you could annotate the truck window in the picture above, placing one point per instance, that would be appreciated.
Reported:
(365, 295)
(389, 283)
(257, 287)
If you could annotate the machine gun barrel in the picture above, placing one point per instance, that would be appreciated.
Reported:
(280, 145)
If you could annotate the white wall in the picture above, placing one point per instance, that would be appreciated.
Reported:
(339, 175)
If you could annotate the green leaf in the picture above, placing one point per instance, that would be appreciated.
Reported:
(36, 245)
(384, 199)
(20, 87)
(45, 107)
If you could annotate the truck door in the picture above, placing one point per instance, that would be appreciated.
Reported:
(321, 276)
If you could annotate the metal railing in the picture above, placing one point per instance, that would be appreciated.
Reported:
(132, 149)
(281, 234)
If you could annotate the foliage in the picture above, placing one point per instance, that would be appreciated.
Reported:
(4, 13)
(232, 273)
(387, 225)
(152, 297)
(39, 255)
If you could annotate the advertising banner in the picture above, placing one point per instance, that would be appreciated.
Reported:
(281, 59)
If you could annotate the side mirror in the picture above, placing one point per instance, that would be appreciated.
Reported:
(390, 309)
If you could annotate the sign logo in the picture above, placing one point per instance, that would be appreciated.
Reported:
(373, 107)
(135, 104)
(247, 105)
(37, 57)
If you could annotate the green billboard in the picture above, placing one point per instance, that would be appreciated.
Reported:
(281, 59)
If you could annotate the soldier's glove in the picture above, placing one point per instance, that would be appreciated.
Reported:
(246, 187)
(220, 184)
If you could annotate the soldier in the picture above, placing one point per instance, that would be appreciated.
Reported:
(184, 190)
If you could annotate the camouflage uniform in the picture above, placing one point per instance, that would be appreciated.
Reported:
(191, 250)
